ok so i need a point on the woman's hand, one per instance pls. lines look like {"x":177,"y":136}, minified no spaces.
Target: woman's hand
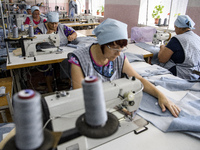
{"x":71,"y":37}
{"x":166,"y":103}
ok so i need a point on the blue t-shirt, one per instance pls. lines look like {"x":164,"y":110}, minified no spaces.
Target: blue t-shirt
{"x":178,"y":56}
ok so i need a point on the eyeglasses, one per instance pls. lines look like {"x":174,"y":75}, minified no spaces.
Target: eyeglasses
{"x":117,"y":49}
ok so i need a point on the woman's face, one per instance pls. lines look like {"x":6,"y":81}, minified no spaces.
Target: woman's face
{"x":29,"y":11}
{"x":52,"y":25}
{"x":111,"y":52}
{"x":36,"y":14}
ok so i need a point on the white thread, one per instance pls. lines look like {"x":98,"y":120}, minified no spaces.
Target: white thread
{"x":15,"y":32}
{"x":28,"y":119}
{"x":22,"y":27}
{"x":30,"y":31}
{"x":95,"y":108}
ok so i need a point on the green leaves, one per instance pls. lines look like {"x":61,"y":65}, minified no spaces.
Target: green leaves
{"x":157,"y":11}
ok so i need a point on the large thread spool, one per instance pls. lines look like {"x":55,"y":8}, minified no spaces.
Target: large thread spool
{"x":28,"y":120}
{"x":22,"y":27}
{"x":31,"y":31}
{"x":95,"y":108}
{"x":15,"y":32}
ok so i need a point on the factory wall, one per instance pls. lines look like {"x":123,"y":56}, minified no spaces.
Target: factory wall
{"x":193,"y":11}
{"x":126,"y":11}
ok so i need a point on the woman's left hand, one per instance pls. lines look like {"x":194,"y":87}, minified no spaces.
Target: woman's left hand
{"x":166,"y":103}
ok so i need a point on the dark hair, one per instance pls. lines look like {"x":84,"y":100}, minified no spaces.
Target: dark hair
{"x":121,"y":43}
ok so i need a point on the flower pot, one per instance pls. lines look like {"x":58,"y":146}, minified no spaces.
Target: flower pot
{"x":102,"y":13}
{"x":156,"y":20}
{"x":97,"y":13}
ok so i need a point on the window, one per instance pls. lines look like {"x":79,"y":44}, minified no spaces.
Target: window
{"x":171,"y":9}
{"x":80,"y":6}
{"x":95,"y":5}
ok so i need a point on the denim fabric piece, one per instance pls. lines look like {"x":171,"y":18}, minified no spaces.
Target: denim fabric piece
{"x":151,"y":48}
{"x":152,"y":71}
{"x":177,"y":84}
{"x":185,"y":122}
{"x":150,"y":104}
{"x":134,"y":57}
{"x":5,"y":128}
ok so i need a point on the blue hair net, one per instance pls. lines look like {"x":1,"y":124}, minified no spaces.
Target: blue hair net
{"x":184,"y":21}
{"x":28,"y":7}
{"x":53,"y":17}
{"x":34,"y":8}
{"x":110,"y":30}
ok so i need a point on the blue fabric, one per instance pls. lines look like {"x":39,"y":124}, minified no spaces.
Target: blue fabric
{"x":184,"y":21}
{"x":189,"y":118}
{"x":110,"y":30}
{"x":152,"y":70}
{"x":173,"y":84}
{"x":5,"y":128}
{"x":151,"y":48}
{"x":134,"y":57}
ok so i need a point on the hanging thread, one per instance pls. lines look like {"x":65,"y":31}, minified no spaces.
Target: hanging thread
{"x":28,"y":119}
{"x":15,"y":32}
{"x":31,"y":31}
{"x":95,"y":108}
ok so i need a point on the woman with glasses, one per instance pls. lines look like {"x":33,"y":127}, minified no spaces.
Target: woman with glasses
{"x":106,"y":60}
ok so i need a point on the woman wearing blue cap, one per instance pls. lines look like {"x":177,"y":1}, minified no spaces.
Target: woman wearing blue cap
{"x":28,"y":10}
{"x":106,"y":60}
{"x":35,"y":19}
{"x":181,"y":55}
{"x":66,"y":34}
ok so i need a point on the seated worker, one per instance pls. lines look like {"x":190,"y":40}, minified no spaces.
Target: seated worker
{"x":28,"y":10}
{"x":107,"y":61}
{"x":35,"y":19}
{"x":66,"y":34}
{"x":182,"y":54}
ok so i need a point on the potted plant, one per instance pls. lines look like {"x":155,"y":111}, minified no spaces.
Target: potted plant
{"x":97,"y":12}
{"x":156,"y":12}
{"x":102,"y":10}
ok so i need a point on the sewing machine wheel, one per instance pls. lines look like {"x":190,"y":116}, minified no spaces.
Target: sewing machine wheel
{"x":47,"y":143}
{"x":108,"y":129}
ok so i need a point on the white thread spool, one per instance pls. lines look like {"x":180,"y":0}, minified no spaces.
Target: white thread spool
{"x":31,"y":31}
{"x":15,"y":32}
{"x":22,"y":27}
{"x":95,"y":108}
{"x":28,"y":120}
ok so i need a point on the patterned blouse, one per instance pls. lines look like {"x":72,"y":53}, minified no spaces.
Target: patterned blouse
{"x":106,"y":70}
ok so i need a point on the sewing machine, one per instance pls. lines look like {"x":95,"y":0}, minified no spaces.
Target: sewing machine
{"x":65,"y":107}
{"x":19,"y":19}
{"x":30,"y":43}
{"x":162,"y":37}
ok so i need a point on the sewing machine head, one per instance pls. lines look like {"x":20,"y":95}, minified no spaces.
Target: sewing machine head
{"x":67,"y":107}
{"x":162,"y":37}
{"x":41,"y":44}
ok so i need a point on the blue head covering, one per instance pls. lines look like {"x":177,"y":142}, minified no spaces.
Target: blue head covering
{"x":110,"y":30}
{"x":184,"y":21}
{"x":53,"y":17}
{"x":28,"y":7}
{"x":34,"y":8}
